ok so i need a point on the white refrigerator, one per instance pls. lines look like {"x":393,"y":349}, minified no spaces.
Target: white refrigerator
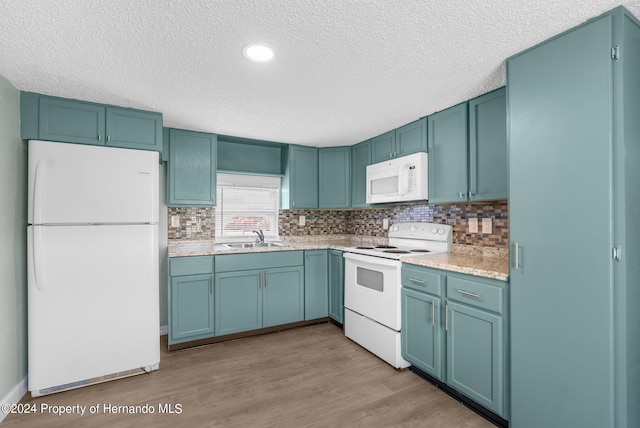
{"x":92,"y":242}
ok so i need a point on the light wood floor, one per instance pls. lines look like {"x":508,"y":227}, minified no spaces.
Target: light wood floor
{"x":307,"y":377}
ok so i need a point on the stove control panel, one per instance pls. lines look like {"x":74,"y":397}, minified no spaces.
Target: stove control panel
{"x":426,"y":231}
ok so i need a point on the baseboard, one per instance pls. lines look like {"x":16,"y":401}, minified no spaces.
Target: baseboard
{"x":14,"y":396}
{"x":164,"y":330}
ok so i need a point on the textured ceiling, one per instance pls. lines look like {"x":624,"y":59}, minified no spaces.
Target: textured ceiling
{"x":344,"y":70}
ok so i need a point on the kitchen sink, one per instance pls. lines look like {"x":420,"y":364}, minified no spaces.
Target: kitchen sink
{"x":235,"y":245}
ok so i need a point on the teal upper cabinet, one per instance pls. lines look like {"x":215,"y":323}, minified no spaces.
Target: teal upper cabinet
{"x":316,"y":285}
{"x":488,"y":147}
{"x":468,"y":151}
{"x":191,"y":179}
{"x":334,"y":179}
{"x":383,"y":147}
{"x":243,"y":155}
{"x":71,"y":121}
{"x":300,"y":181}
{"x":410,"y":138}
{"x":134,"y":129}
{"x":360,"y":158}
{"x":448,"y":155}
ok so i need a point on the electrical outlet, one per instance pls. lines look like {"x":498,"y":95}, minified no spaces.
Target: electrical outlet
{"x":487,"y":225}
{"x":473,"y":225}
{"x":175,"y":221}
{"x":302,"y":220}
{"x":385,"y":223}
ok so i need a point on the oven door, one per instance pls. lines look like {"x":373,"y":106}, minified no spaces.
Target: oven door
{"x":372,"y":288}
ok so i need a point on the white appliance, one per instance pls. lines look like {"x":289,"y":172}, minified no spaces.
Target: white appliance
{"x":93,"y":304}
{"x":372,"y":285}
{"x":398,"y":180}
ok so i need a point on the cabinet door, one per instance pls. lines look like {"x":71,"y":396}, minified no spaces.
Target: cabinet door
{"x":448,"y":155}
{"x":304,"y":177}
{"x":336,"y":285}
{"x":488,"y":147}
{"x":421,"y":332}
{"x":475,"y":355}
{"x":316,"y":284}
{"x":192,"y":168}
{"x":191,"y":316}
{"x":360,"y":158}
{"x":134,"y":129}
{"x":238,"y":301}
{"x":412,"y":138}
{"x":70,"y":121}
{"x":560,"y":100}
{"x":334,"y":165}
{"x":283,"y":296}
{"x":383,"y":147}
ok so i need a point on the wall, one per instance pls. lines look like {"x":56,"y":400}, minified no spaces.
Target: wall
{"x":13,"y":232}
{"x":198,"y":223}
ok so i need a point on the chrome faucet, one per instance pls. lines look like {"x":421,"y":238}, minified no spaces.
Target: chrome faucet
{"x":260,"y":234}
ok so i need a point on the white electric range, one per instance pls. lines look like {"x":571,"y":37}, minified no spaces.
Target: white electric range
{"x":372,"y":286}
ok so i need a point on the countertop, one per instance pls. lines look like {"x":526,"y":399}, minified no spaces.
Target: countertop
{"x":480,"y":261}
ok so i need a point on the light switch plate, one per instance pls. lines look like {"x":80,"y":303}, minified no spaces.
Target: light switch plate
{"x":302,"y":220}
{"x":473,"y":225}
{"x":175,"y":221}
{"x":487,"y":225}
{"x":385,"y":223}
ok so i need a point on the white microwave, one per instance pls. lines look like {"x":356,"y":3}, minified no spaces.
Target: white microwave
{"x":398,"y":180}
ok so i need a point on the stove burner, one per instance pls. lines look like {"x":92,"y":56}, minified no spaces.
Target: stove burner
{"x":385,"y":246}
{"x":397,"y":251}
{"x":420,"y":251}
{"x":364,"y":248}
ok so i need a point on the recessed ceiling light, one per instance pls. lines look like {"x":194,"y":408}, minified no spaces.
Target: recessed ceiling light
{"x":257,"y":52}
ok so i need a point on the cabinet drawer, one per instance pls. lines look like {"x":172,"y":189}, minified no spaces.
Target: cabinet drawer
{"x":266,"y":260}
{"x":194,"y":265}
{"x":475,"y":293}
{"x":421,"y":279}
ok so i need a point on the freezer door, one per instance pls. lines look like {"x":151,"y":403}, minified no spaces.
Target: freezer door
{"x":76,"y":184}
{"x":92,"y":302}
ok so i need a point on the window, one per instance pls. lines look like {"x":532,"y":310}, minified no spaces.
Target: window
{"x":246,"y":203}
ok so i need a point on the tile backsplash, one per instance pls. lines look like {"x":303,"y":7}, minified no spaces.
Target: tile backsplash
{"x":198,"y":223}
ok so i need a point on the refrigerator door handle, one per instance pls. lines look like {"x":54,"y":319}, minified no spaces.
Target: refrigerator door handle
{"x":38,"y":269}
{"x":38,"y":192}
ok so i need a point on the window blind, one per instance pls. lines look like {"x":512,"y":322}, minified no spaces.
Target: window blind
{"x":246,"y":203}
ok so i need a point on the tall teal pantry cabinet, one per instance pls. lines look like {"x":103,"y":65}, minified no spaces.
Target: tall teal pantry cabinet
{"x":574,"y":202}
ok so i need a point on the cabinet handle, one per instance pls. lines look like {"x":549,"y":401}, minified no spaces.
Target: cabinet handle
{"x":259,"y":279}
{"x":446,"y":318}
{"x":466,"y":293}
{"x":108,"y":137}
{"x":99,"y":137}
{"x":264,"y":275}
{"x":433,"y":314}
{"x":419,"y":281}
{"x":461,"y":195}
{"x":517,"y":256}
{"x":211,"y":287}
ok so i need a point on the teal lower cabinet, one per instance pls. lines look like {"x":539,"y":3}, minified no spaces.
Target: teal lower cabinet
{"x":421,"y":334}
{"x":283,"y":296}
{"x":191,"y":299}
{"x":336,"y":286}
{"x":271,"y":295}
{"x":316,"y":284}
{"x":238,"y":301}
{"x":454,"y":329}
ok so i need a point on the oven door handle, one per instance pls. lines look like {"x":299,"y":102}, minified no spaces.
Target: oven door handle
{"x":380,"y":261}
